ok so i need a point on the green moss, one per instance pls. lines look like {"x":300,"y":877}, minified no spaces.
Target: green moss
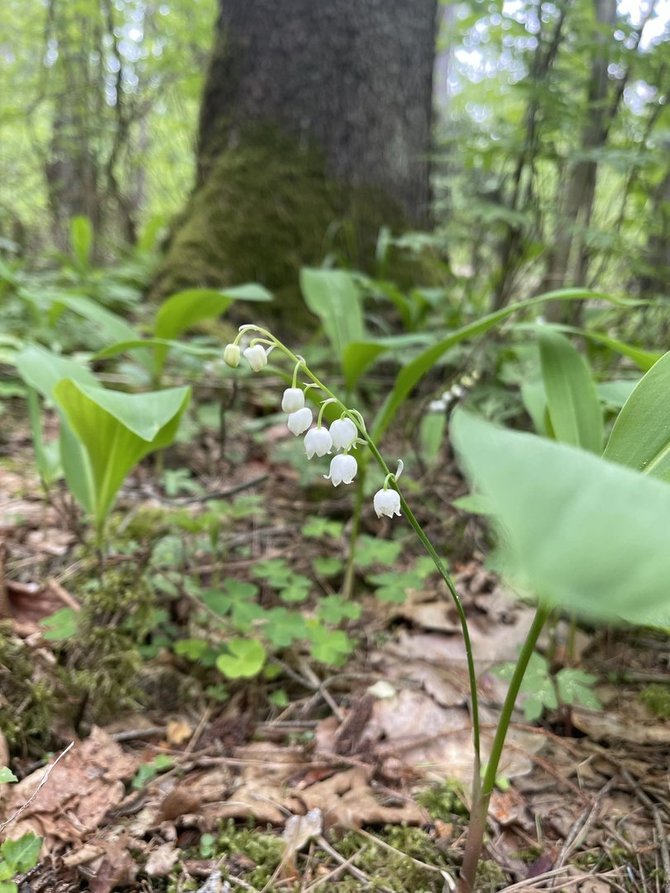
{"x":444,"y":802}
{"x":266,"y":209}
{"x":103,"y":661}
{"x":28,"y":694}
{"x":657,"y":698}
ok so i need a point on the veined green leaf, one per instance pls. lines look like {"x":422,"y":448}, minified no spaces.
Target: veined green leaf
{"x":333,"y":296}
{"x":640,"y":437}
{"x":572,"y":400}
{"x":143,"y":343}
{"x":184,"y":309}
{"x":109,"y":325}
{"x":359,"y":355}
{"x":116,"y":430}
{"x":643,"y":359}
{"x":411,"y":374}
{"x":41,"y":369}
{"x":576,"y":530}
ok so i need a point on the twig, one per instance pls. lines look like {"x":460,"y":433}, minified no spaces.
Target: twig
{"x":219,"y":494}
{"x":658,"y":824}
{"x":43,"y":781}
{"x":581,"y":826}
{"x":61,"y":592}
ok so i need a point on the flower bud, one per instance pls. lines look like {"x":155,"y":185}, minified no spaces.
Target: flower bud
{"x":318,"y":442}
{"x":231,"y":355}
{"x":293,"y":400}
{"x":387,"y":502}
{"x":344,"y":434}
{"x":299,"y":422}
{"x":343,"y":469}
{"x":256,"y":356}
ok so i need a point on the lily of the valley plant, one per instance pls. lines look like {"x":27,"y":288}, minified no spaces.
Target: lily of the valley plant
{"x":346,"y":435}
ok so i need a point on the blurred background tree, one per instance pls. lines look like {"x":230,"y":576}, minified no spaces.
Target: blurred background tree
{"x":550,"y":159}
{"x":315,"y":131}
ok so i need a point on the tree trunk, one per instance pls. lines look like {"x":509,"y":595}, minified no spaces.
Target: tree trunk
{"x":314,"y":131}
{"x":580,"y":189}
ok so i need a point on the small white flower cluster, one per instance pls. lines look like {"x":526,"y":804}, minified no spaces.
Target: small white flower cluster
{"x":455,"y":393}
{"x":319,"y":441}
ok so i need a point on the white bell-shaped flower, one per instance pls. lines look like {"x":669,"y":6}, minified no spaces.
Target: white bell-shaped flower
{"x":387,"y":502}
{"x":293,"y":400}
{"x":256,"y":356}
{"x":318,"y":442}
{"x":344,"y":434}
{"x":299,"y":421}
{"x":343,"y":469}
{"x":231,"y":355}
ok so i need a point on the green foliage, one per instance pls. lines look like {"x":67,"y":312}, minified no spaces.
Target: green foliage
{"x":640,"y":438}
{"x":243,"y":658}
{"x":6,"y":775}
{"x":114,"y":431}
{"x":333,"y":296}
{"x":148,"y":771}
{"x":578,"y":531}
{"x":17,"y":857}
{"x":541,"y":690}
{"x":572,"y":400}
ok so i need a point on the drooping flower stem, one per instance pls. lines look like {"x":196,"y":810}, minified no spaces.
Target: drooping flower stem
{"x":480,"y":805}
{"x":356,"y":418}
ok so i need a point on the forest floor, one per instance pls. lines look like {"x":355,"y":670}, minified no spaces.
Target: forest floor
{"x":144,"y":769}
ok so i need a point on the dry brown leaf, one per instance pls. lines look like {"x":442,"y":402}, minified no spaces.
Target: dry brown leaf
{"x":178,"y":732}
{"x":116,"y":868}
{"x":79,"y":791}
{"x":635,"y":727}
{"x":162,"y":860}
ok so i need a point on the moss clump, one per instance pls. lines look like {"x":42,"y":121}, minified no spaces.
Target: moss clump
{"x":444,"y":802}
{"x":28,"y":694}
{"x":103,"y":660}
{"x":657,"y":698}
{"x":265,"y":209}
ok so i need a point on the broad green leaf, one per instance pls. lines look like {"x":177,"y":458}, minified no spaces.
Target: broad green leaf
{"x":184,"y":309}
{"x":579,"y":532}
{"x":23,"y":853}
{"x":109,"y":325}
{"x":615,"y":393}
{"x":413,"y":372}
{"x":6,"y":775}
{"x":42,"y":370}
{"x":117,"y":430}
{"x":245,"y":658}
{"x":81,"y":241}
{"x":333,"y":296}
{"x":643,"y":359}
{"x":640,"y":437}
{"x":76,"y":466}
{"x":576,"y":687}
{"x":357,"y":356}
{"x":144,"y":343}
{"x":46,"y":454}
{"x":572,"y":400}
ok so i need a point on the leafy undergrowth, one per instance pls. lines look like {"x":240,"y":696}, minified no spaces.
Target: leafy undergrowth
{"x":218,"y":687}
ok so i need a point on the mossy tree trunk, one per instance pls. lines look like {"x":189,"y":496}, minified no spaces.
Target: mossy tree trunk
{"x":314,"y":131}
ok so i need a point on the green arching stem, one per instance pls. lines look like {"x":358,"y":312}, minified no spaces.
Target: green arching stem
{"x":425,"y":541}
{"x":480,"y":805}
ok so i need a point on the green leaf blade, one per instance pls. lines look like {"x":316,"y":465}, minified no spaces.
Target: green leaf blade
{"x":572,"y":399}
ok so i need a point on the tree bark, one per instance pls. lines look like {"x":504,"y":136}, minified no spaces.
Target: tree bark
{"x":314,"y":110}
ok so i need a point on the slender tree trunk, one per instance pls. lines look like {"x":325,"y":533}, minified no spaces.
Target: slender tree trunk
{"x":314,"y":131}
